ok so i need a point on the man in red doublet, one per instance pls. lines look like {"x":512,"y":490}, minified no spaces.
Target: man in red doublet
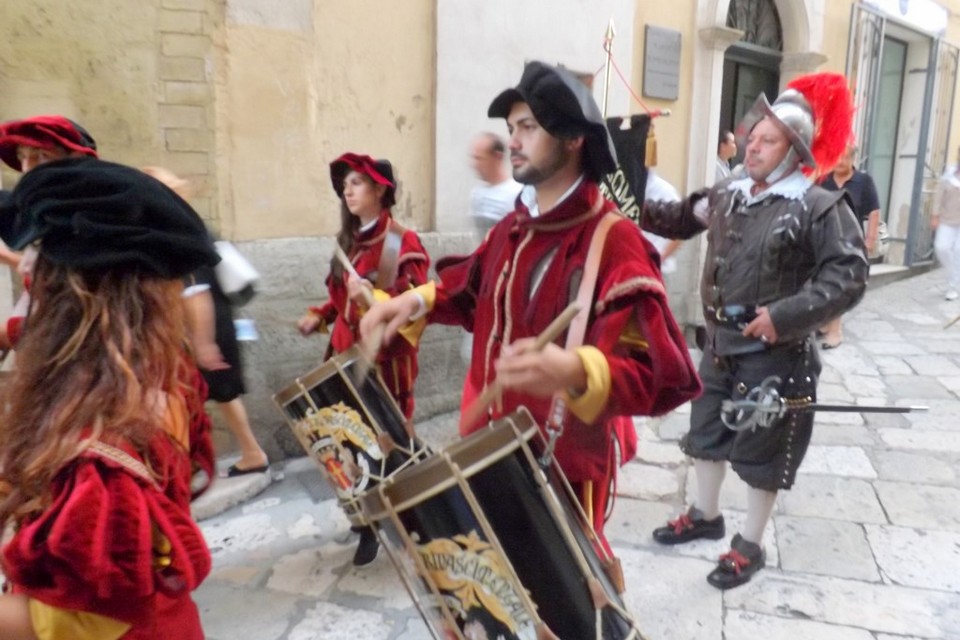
{"x":632,"y":359}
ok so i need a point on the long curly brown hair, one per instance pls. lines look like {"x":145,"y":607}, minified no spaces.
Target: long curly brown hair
{"x":99,"y":351}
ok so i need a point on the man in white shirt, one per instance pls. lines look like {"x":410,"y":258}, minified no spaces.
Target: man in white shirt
{"x":491,"y":201}
{"x":726,"y":149}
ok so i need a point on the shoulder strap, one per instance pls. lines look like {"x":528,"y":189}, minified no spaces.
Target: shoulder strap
{"x":389,"y":256}
{"x":578,"y":328}
{"x":588,"y":281}
{"x":127,"y":461}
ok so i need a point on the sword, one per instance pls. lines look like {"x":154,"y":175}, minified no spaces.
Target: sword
{"x":763,"y":406}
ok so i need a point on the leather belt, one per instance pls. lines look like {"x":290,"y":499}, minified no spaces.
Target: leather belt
{"x":734,"y":316}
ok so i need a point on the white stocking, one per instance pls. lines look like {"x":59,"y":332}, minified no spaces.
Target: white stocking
{"x":709,"y":480}
{"x":760,"y":505}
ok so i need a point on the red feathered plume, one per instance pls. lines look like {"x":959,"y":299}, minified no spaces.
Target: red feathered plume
{"x":832,"y":104}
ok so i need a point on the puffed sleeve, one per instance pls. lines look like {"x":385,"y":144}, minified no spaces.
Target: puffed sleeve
{"x":412,"y":264}
{"x":109,"y":542}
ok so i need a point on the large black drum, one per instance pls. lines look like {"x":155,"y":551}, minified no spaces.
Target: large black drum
{"x":490,"y":542}
{"x":357,"y":435}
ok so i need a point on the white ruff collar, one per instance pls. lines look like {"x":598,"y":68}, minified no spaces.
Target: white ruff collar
{"x":793,"y":187}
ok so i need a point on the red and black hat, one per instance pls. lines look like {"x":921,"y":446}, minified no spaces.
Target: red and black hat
{"x":43,"y":132}
{"x":380,"y":171}
{"x":93,"y":215}
{"x":562,"y":105}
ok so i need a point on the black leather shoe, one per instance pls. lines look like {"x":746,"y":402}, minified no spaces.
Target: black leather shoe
{"x":368,"y":548}
{"x":738,"y":565}
{"x":690,"y":526}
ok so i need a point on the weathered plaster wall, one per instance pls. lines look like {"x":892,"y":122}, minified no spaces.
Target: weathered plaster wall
{"x":299,"y":83}
{"x":481,"y":48}
{"x":135,"y":74}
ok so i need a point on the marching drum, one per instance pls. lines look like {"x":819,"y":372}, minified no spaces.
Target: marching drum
{"x":490,"y":544}
{"x":356,"y":435}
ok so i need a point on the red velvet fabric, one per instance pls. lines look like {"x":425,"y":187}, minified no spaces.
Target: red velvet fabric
{"x":92,"y":549}
{"x":202,"y":455}
{"x":524,"y":274}
{"x":397,"y":363}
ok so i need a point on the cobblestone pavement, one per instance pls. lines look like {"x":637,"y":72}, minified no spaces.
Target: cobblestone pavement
{"x":866,"y":546}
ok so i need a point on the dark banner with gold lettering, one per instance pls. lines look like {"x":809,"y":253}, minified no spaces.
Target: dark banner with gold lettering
{"x":627,"y":184}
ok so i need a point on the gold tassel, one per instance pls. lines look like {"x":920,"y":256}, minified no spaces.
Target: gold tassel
{"x":650,"y":156}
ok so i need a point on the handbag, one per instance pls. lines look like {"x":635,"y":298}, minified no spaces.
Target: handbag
{"x":235,"y":275}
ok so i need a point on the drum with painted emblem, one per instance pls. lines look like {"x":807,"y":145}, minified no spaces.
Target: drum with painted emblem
{"x":355,"y":433}
{"x":491,"y":543}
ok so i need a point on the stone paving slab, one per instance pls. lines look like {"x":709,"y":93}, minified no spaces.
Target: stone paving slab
{"x":917,"y":386}
{"x":661,"y":453}
{"x":912,"y":558}
{"x":831,"y":497}
{"x":229,"y":612}
{"x":902,"y":466}
{"x":333,"y":622}
{"x":746,"y":625}
{"x":843,"y":435}
{"x":922,"y":506}
{"x":892,"y":365}
{"x":647,"y":482}
{"x":851,"y":603}
{"x":921,"y":440}
{"x":859,"y":385}
{"x":846,"y":462}
{"x":654,"y":585}
{"x":825,"y":547}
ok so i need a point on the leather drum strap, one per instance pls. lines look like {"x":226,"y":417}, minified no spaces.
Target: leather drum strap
{"x":588,"y":283}
{"x":578,"y":327}
{"x":389,"y":256}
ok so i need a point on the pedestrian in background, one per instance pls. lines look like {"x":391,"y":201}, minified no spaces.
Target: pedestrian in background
{"x":726,"y":150}
{"x":866,"y":206}
{"x":946,"y":222}
{"x":213,"y":337}
{"x":496,"y":197}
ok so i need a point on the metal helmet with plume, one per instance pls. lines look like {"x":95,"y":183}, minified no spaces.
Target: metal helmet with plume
{"x":815,"y":112}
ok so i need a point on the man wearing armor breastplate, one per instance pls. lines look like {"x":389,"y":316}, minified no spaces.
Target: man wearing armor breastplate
{"x":783,"y":256}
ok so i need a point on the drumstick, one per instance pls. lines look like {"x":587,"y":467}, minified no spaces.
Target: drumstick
{"x":952,"y":322}
{"x":475,"y":411}
{"x":369,"y":345}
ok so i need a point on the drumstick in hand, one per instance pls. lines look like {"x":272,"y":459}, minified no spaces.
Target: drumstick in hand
{"x":370,"y":345}
{"x":475,"y":411}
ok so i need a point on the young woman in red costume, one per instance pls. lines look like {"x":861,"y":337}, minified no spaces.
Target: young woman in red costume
{"x":367,"y":190}
{"x":95,"y":469}
{"x":390,"y":260}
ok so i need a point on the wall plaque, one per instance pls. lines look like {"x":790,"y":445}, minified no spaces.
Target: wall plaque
{"x":661,"y":63}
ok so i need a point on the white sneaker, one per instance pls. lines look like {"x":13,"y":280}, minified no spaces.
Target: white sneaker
{"x":952,"y":295}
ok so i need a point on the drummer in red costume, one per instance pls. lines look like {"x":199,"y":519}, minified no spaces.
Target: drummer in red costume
{"x":95,"y":468}
{"x":390,"y":260}
{"x":633,"y":360}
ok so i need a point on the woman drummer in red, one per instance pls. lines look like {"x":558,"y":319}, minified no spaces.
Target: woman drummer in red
{"x":388,"y":258}
{"x":385,"y":255}
{"x":94,"y":468}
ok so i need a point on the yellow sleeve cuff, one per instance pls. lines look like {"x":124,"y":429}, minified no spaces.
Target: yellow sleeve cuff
{"x":427,"y":293}
{"x":588,"y":406}
{"x":53,"y":623}
{"x":414,"y":329}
